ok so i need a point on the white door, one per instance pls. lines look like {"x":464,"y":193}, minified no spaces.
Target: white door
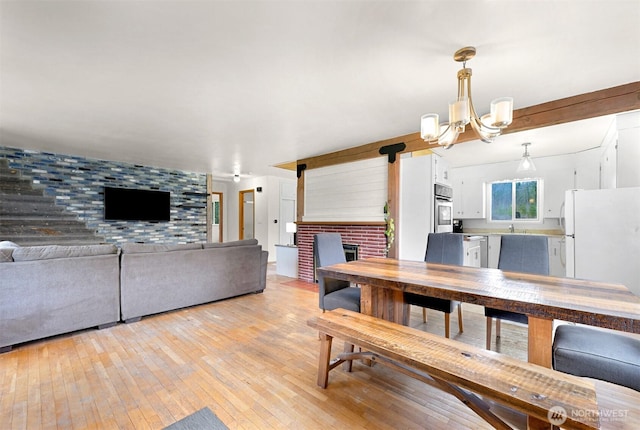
{"x":287,"y":214}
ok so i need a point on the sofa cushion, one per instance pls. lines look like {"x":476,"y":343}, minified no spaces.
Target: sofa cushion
{"x":144,"y":248}
{"x":244,"y":242}
{"x":47,"y":252}
{"x":6,"y":251}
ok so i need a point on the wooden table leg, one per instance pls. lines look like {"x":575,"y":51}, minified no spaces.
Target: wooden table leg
{"x":324,"y":359}
{"x":540,"y":352}
{"x":384,"y":303}
{"x":540,"y":341}
{"x":367,"y":296}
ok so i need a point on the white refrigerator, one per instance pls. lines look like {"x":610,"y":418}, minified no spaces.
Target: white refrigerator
{"x":603,"y":235}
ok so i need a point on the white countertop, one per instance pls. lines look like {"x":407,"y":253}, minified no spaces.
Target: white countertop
{"x":474,"y":237}
{"x":548,"y":233}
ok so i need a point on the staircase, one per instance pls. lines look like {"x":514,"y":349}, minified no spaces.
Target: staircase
{"x":28,"y":217}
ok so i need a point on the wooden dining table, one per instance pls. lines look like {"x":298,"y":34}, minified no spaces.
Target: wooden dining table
{"x":543,"y":299}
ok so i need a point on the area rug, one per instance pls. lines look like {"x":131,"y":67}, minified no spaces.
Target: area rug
{"x":204,"y":419}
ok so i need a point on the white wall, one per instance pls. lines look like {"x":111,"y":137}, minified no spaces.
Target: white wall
{"x":559,"y":173}
{"x":416,"y":206}
{"x":354,"y":191}
{"x":266,"y":209}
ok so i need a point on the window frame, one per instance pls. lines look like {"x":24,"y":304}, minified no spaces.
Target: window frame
{"x":539,"y":198}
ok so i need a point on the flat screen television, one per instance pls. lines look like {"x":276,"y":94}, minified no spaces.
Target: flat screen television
{"x":136,"y":205}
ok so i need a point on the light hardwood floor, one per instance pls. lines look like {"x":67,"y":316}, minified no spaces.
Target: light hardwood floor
{"x":252,"y":360}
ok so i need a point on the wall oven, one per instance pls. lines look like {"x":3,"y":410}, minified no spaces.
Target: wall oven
{"x":443,"y":209}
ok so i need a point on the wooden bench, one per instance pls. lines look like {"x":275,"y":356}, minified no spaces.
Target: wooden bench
{"x":456,"y":367}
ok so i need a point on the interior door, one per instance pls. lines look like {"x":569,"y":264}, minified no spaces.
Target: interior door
{"x":247,"y":215}
{"x":216,"y":219}
{"x":287,"y":214}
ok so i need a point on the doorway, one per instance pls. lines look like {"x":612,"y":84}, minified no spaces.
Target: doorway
{"x":216,"y":217}
{"x":287,"y":215}
{"x":247,"y":215}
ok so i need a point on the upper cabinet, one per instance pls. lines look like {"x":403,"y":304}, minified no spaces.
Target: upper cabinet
{"x":468,"y":197}
{"x":556,"y":182}
{"x":620,"y":153}
{"x":440,"y":170}
{"x":628,"y":150}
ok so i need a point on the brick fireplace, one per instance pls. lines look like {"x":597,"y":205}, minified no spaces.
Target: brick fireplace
{"x":369,"y":237}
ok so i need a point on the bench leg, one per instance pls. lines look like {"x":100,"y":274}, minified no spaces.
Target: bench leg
{"x":348,"y":348}
{"x":325,"y":357}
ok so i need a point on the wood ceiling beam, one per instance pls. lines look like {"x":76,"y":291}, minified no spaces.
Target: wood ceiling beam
{"x":609,"y":101}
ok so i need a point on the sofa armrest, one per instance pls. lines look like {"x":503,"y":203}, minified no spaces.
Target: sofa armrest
{"x":264,"y":259}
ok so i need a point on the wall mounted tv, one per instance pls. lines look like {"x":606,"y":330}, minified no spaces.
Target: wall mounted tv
{"x":136,"y":205}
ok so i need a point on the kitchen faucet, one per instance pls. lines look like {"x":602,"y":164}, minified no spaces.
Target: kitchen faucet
{"x":511,"y":229}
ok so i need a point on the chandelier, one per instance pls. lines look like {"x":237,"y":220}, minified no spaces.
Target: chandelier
{"x":462,"y":111}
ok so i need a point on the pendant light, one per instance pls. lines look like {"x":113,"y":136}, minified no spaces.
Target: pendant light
{"x":526,"y":164}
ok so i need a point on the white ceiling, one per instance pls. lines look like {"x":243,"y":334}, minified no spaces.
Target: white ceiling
{"x":210,"y":86}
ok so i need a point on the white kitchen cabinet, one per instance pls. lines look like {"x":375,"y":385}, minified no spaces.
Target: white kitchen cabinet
{"x":619,"y":160}
{"x":628,"y":148}
{"x":440,"y":170}
{"x":469,"y":198}
{"x":287,"y":260}
{"x":608,"y":165}
{"x":556,"y":182}
{"x":472,"y":252}
{"x":557,"y":256}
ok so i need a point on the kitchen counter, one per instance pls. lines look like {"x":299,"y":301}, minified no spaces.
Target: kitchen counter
{"x":500,"y":232}
{"x":473,"y":237}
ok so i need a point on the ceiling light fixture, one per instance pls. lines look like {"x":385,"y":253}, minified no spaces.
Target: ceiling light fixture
{"x":462,"y":112}
{"x":526,"y":164}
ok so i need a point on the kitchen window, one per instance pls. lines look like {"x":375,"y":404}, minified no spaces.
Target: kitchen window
{"x":517,"y":200}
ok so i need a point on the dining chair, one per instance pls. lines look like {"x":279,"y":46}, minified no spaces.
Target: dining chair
{"x":597,"y":353}
{"x":333,"y":293}
{"x":442,"y":248}
{"x":518,"y":253}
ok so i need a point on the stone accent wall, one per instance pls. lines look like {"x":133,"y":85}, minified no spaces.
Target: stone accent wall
{"x":371,"y":239}
{"x":77,"y":184}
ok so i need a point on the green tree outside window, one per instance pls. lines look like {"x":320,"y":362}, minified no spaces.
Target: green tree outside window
{"x":515,"y":200}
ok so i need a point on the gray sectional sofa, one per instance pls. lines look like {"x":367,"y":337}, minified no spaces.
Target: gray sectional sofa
{"x":159,"y":278}
{"x":51,"y":290}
